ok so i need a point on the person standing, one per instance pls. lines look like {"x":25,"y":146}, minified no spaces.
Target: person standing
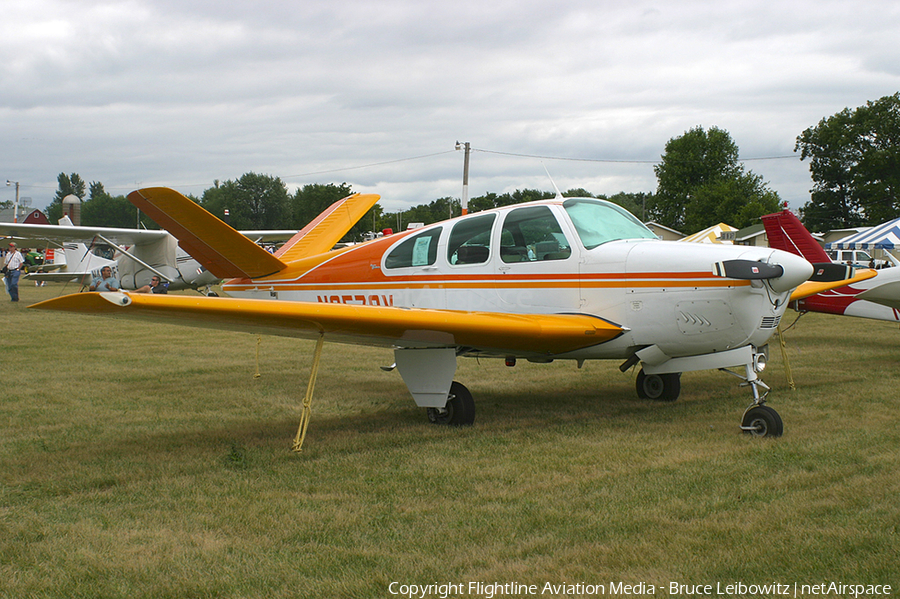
{"x":12,"y":268}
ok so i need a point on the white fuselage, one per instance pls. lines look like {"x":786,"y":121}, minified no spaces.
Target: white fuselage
{"x":661,"y":293}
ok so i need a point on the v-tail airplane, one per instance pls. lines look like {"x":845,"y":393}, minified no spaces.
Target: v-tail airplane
{"x":564,"y":279}
{"x":877,"y":298}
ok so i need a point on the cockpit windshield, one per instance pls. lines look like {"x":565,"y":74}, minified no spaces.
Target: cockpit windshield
{"x":598,"y":222}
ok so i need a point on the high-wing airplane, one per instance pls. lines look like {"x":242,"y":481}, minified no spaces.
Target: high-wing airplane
{"x":877,"y":298}
{"x":569,"y":278}
{"x":135,"y":255}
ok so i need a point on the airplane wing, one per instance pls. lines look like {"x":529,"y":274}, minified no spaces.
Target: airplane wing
{"x":222,"y":250}
{"x":492,"y":333}
{"x":58,"y":234}
{"x":813,"y":287}
{"x":61,"y":277}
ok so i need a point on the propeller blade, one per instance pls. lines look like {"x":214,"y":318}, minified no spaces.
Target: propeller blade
{"x":827,"y":272}
{"x":747,"y":269}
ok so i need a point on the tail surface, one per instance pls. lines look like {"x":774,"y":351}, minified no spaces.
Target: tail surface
{"x":786,"y":232}
{"x":328,"y":228}
{"x":227,"y":253}
{"x":222,"y":250}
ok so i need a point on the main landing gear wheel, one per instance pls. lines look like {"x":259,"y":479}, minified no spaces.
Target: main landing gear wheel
{"x":460,"y":408}
{"x":762,"y":421}
{"x":658,"y":387}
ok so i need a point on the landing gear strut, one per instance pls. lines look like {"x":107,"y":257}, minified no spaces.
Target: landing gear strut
{"x":460,"y":408}
{"x":759,"y":419}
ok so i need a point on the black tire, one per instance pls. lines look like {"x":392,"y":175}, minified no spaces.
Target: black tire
{"x":460,"y":408}
{"x":762,"y":421}
{"x":658,"y":387}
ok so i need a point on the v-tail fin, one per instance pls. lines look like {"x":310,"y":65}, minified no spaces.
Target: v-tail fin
{"x":328,"y":228}
{"x":214,"y":244}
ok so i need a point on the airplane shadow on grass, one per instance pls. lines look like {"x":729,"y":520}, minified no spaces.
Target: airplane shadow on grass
{"x":536,"y":407}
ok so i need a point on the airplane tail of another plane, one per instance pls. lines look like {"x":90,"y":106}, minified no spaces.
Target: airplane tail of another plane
{"x":786,"y":232}
{"x":227,"y":253}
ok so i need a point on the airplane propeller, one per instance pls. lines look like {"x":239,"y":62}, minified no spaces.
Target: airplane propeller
{"x":747,"y":269}
{"x":828,"y":271}
{"x":791,"y":272}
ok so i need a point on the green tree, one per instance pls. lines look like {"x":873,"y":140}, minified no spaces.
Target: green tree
{"x":254,"y":202}
{"x":310,"y":200}
{"x":702,"y":183}
{"x":104,"y":210}
{"x":855,"y":166}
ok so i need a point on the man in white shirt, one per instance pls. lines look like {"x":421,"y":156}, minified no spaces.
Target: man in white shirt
{"x":12,"y":268}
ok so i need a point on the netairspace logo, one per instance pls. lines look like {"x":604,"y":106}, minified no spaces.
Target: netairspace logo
{"x":490,"y":590}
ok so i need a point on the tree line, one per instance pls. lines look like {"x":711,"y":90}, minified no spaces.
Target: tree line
{"x":854,"y":165}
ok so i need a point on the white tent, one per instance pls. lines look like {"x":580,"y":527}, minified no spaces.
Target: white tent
{"x":883,"y":237}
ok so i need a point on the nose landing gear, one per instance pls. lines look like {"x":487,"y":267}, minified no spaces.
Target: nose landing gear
{"x":759,"y":419}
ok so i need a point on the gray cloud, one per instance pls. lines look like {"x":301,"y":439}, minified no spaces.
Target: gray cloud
{"x":152,"y":92}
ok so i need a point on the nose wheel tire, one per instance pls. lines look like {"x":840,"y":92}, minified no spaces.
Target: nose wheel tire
{"x":460,"y":408}
{"x":658,"y":387}
{"x":762,"y":421}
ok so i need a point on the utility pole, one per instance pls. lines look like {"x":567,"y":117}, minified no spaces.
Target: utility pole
{"x":16,"y":207}
{"x":465,"y":192}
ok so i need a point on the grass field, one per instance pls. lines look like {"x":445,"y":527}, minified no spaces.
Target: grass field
{"x":140,"y":461}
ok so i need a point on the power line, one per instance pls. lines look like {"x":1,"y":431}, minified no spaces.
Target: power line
{"x":610,"y":160}
{"x":352,"y":168}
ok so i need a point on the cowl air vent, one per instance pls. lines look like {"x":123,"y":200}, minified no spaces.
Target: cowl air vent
{"x":770,"y":322}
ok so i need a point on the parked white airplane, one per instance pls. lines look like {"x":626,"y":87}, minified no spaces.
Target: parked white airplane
{"x":568,"y":278}
{"x":134,"y":254}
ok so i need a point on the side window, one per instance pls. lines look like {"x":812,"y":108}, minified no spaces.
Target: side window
{"x":418,"y":250}
{"x":470,"y":240}
{"x":531,"y":234}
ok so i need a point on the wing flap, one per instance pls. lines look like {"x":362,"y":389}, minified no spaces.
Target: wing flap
{"x":514,"y":334}
{"x":223,"y":251}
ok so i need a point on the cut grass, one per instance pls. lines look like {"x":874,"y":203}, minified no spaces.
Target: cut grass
{"x":141,"y":461}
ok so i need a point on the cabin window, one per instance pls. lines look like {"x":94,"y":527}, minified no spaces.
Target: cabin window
{"x":531,"y":234}
{"x":598,"y":222}
{"x":470,"y":240}
{"x":418,"y":250}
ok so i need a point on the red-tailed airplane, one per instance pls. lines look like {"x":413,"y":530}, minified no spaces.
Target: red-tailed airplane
{"x":877,"y":297}
{"x":568,"y":278}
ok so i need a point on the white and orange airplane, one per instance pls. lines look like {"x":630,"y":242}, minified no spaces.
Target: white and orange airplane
{"x":568,"y":278}
{"x":877,"y":298}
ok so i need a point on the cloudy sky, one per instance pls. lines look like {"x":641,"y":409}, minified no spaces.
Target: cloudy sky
{"x":376,"y":93}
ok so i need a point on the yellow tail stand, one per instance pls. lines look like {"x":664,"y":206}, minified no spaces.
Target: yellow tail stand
{"x":258,"y":343}
{"x":307,"y":401}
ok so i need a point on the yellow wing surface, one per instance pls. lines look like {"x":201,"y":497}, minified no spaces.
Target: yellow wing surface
{"x":509,"y":334}
{"x":812,"y":287}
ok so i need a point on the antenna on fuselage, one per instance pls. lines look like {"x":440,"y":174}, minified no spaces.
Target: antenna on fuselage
{"x":559,"y":194}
